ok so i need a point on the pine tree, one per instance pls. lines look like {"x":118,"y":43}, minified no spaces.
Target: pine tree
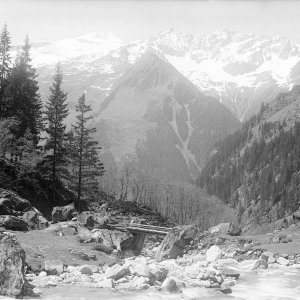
{"x":85,"y":159}
{"x":55,"y":114}
{"x":5,"y":60}
{"x":23,"y":97}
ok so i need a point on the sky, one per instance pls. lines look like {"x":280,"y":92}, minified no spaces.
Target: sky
{"x":139,"y":19}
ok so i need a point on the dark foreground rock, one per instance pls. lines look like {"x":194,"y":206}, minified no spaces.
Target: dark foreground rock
{"x":175,"y":241}
{"x":13,"y":223}
{"x":12,"y":263}
{"x":12,"y":204}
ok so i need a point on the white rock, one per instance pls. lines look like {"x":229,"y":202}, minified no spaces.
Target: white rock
{"x":213,"y":253}
{"x":106,"y":283}
{"x":282,"y":261}
{"x":43,"y":274}
{"x":54,"y":267}
{"x":116,"y":272}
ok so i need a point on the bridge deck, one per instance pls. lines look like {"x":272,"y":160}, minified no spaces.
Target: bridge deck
{"x":148,"y":229}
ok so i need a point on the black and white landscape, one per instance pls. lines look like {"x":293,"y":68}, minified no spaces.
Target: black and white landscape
{"x":147,"y":152}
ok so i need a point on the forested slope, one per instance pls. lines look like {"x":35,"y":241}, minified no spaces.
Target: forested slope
{"x":257,"y":169}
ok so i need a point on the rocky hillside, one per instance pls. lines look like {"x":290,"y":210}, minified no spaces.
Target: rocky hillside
{"x":256,"y":169}
{"x":240,"y":70}
{"x":156,"y":113}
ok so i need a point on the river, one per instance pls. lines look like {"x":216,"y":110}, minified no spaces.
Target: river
{"x":260,"y":285}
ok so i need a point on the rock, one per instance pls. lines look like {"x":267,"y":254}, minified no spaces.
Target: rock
{"x":283,"y":261}
{"x":54,"y":267}
{"x":259,"y":263}
{"x":225,"y":290}
{"x":66,"y":230}
{"x":174,"y":242}
{"x":13,"y":223}
{"x":106,"y":283}
{"x":170,"y":285}
{"x":116,"y":272}
{"x":227,"y":228}
{"x":141,"y":269}
{"x":93,"y":220}
{"x":12,"y":204}
{"x":63,"y":213}
{"x":35,"y":220}
{"x":103,"y":248}
{"x":226,"y":262}
{"x":138,"y":283}
{"x":84,"y":235}
{"x":82,"y":255}
{"x":43,"y":274}
{"x":296,"y":215}
{"x":12,"y":266}
{"x":160,"y":273}
{"x":110,"y":238}
{"x":213,"y":253}
{"x":227,"y":272}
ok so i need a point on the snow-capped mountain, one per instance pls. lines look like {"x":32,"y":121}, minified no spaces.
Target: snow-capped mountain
{"x":240,"y":70}
{"x":155,"y":113}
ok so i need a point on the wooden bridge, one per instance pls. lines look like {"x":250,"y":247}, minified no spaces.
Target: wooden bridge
{"x":139,"y":232}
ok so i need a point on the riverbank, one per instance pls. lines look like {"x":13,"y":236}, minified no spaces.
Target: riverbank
{"x":214,"y":265}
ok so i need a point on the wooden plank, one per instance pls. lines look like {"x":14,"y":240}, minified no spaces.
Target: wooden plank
{"x":149,"y":231}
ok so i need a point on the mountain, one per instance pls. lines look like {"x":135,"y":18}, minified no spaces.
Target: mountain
{"x":156,"y":114}
{"x":240,"y":70}
{"x":257,"y":169}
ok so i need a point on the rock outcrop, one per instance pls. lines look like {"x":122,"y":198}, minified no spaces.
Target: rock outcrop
{"x":12,"y":263}
{"x":175,"y":241}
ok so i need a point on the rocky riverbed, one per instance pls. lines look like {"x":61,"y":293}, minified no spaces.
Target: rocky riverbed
{"x":86,"y":257}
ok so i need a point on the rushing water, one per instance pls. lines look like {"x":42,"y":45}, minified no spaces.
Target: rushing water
{"x":262,"y":285}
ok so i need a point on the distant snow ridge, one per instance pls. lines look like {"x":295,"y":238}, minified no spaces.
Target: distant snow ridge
{"x":88,"y":48}
{"x":241,"y":70}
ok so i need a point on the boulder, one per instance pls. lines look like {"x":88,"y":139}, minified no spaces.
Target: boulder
{"x":213,"y":253}
{"x":92,"y":220}
{"x":102,"y":248}
{"x":160,"y":273}
{"x":54,"y":267}
{"x":63,"y":213}
{"x":110,"y":238}
{"x":296,"y":215}
{"x":12,"y":204}
{"x":13,"y":223}
{"x":12,"y":265}
{"x":174,"y":242}
{"x":106,"y":283}
{"x":228,"y":272}
{"x":116,"y":272}
{"x":84,"y":235}
{"x":35,"y":219}
{"x":138,"y":283}
{"x":170,"y":285}
{"x":226,"y":228}
{"x":283,"y":261}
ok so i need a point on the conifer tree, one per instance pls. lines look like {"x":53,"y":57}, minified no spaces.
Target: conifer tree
{"x":23,"y":97}
{"x":55,"y":114}
{"x":85,"y":159}
{"x":5,"y":60}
